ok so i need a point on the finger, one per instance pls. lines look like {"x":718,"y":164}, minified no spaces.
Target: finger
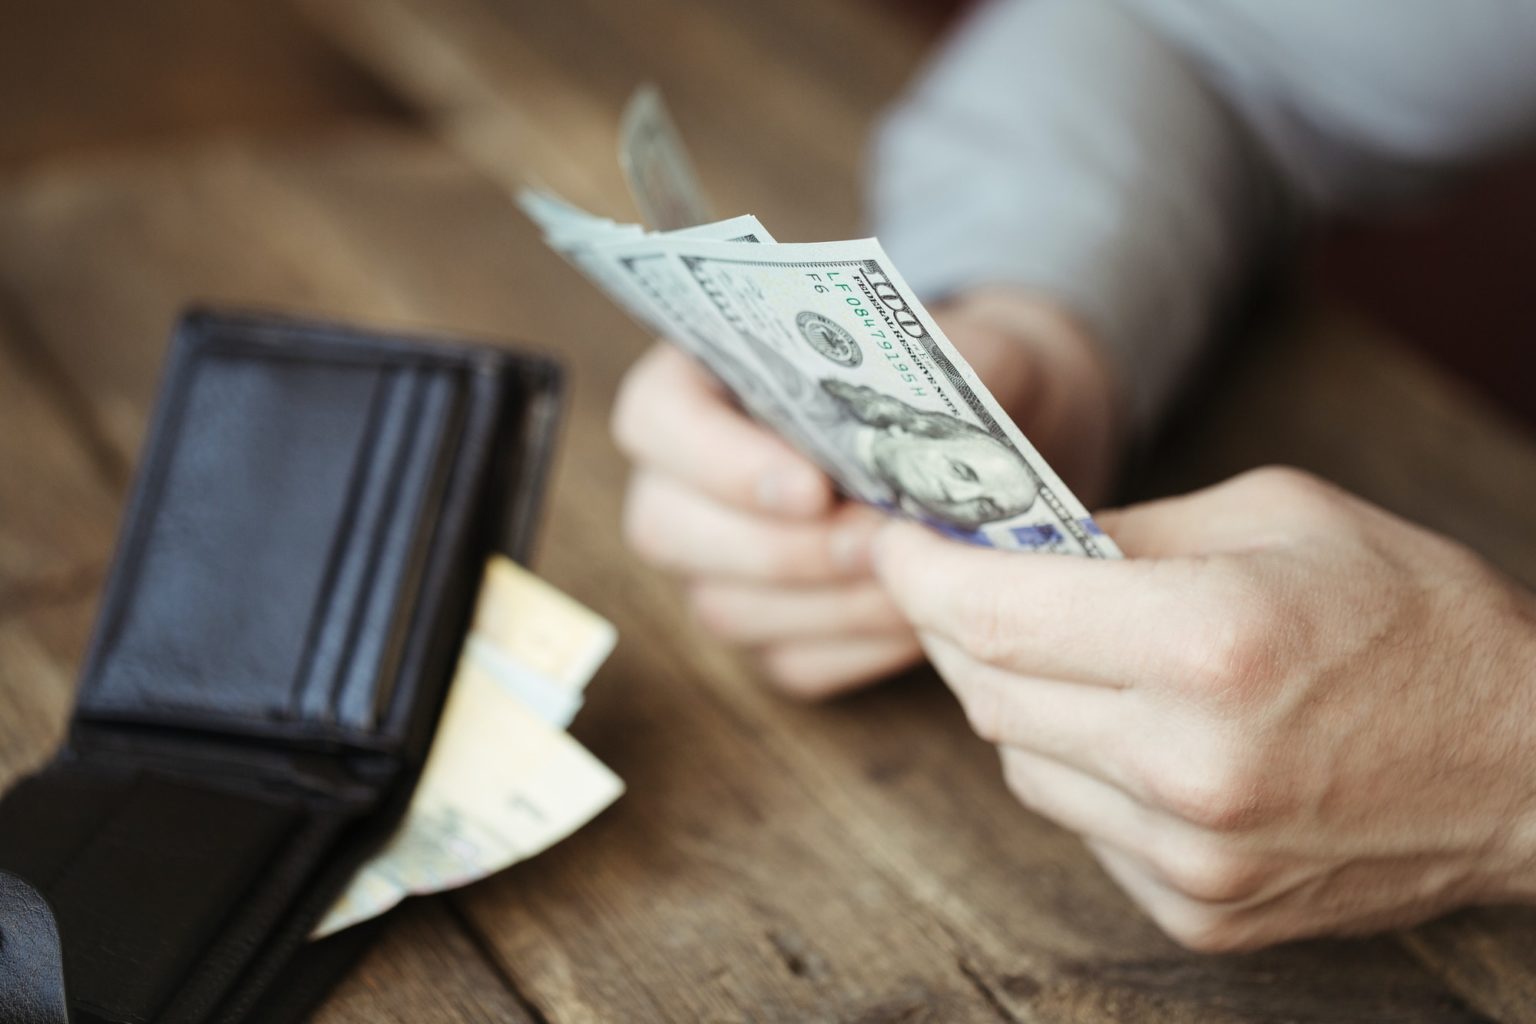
{"x":1199,"y":925}
{"x":672,"y":416}
{"x":1087,"y":727}
{"x":1112,"y":622}
{"x":1079,"y":802}
{"x":1189,"y":922}
{"x":753,"y":614}
{"x":816,"y":670}
{"x":678,"y":528}
{"x":1182,"y":858}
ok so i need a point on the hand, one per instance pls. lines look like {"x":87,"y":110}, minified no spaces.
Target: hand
{"x":773,"y":559}
{"x":1289,"y":714}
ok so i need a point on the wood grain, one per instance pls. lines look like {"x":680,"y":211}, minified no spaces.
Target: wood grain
{"x":97,"y":76}
{"x":424,"y":970}
{"x":53,"y":497}
{"x":854,"y":862}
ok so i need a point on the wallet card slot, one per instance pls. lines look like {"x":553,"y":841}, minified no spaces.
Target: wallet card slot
{"x":298,"y":556}
{"x":351,"y":588}
{"x":396,"y":552}
{"x":346,"y":579}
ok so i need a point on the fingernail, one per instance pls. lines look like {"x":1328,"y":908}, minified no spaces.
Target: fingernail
{"x":849,"y":549}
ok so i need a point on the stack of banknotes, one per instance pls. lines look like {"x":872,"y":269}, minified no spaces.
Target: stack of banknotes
{"x":503,"y":781}
{"x":824,"y":343}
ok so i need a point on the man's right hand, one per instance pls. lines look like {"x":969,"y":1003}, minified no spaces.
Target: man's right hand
{"x":774,"y":560}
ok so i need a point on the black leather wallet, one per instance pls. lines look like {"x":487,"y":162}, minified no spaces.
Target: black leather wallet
{"x":293,"y":579}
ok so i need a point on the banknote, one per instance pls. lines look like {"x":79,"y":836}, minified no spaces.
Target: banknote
{"x":502,"y":781}
{"x":574,"y":234}
{"x":500,"y":785}
{"x":864,"y":381}
{"x":825,"y":343}
{"x":766,"y":385}
{"x":657,"y":166}
{"x":539,"y":644}
{"x":624,"y":262}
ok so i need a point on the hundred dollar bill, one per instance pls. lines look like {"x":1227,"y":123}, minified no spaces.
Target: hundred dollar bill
{"x":766,"y":385}
{"x":826,"y":344}
{"x":656,"y":165}
{"x":626,"y":264}
{"x":862,"y":379}
{"x":577,"y":236}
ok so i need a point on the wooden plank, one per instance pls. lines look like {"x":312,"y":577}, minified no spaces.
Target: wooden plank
{"x":109,"y":350}
{"x":53,"y":497}
{"x":1418,"y":445}
{"x":423,"y":971}
{"x":98,"y":75}
{"x":382,"y":225}
{"x":861,"y":860}
{"x":531,"y":92}
{"x":39,"y":648}
{"x":1328,"y":393}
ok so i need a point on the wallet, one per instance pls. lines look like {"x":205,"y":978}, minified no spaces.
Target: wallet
{"x":293,"y":579}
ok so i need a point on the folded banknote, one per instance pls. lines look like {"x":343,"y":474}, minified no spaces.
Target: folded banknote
{"x":503,"y":780}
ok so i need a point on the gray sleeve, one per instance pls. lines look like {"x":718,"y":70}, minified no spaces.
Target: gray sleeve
{"x":1132,"y":159}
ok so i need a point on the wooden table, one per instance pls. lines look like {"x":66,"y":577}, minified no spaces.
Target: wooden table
{"x":859,"y":861}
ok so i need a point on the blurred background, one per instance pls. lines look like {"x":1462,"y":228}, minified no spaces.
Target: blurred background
{"x":528,"y":88}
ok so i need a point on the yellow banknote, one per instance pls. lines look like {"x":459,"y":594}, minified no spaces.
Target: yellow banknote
{"x":502,"y":781}
{"x":539,"y":643}
{"x":499,"y":786}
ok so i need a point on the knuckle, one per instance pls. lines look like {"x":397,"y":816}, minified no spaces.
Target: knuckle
{"x":984,"y":710}
{"x":634,"y":394}
{"x":1019,"y":780}
{"x":1234,"y":656}
{"x":1201,"y":930}
{"x":646,"y":526}
{"x":1306,"y":498}
{"x":1281,"y":480}
{"x":797,"y":677}
{"x":1212,"y":871}
{"x":715,"y":611}
{"x":987,"y":627}
{"x":1219,"y":793}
